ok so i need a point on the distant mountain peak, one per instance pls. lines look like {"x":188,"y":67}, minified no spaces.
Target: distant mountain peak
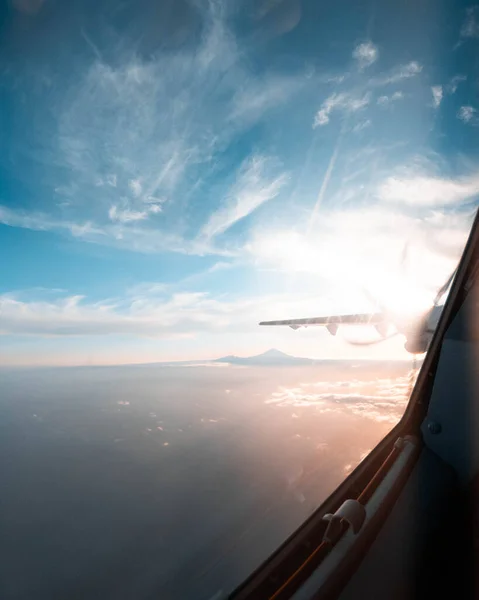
{"x":226,"y":358}
{"x":272,"y":352}
{"x":270,"y":357}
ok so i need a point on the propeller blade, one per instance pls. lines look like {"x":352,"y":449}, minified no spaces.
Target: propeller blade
{"x":443,"y":289}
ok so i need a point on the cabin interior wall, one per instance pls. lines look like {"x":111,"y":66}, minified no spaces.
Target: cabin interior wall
{"x":411,"y":555}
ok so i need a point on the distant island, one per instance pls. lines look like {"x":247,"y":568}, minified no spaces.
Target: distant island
{"x":271,"y":357}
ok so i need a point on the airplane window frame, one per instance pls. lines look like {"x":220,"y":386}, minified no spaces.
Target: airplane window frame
{"x":268,"y":578}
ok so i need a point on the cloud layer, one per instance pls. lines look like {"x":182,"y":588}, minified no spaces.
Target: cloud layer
{"x":379,"y":400}
{"x":151,"y":312}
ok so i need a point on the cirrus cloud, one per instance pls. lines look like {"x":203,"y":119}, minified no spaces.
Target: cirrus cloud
{"x":249,"y":192}
{"x":342,"y":102}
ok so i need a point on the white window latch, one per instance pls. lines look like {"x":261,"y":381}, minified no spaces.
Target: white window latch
{"x":351,"y":511}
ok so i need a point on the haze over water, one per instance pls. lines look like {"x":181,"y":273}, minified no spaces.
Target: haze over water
{"x":174,"y":481}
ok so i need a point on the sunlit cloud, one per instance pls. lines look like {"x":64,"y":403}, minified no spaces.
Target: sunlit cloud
{"x":400,"y":259}
{"x":365,"y":54}
{"x":379,"y":400}
{"x":420,"y":190}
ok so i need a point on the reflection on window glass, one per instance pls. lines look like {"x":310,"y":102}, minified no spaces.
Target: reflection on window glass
{"x":172,"y":174}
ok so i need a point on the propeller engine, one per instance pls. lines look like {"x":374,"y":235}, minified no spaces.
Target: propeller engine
{"x":418,"y":330}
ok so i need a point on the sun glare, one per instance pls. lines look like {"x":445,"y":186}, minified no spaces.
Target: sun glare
{"x":403,"y":297}
{"x":370,"y":278}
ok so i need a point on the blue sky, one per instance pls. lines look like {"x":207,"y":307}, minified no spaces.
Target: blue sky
{"x":173,"y":172}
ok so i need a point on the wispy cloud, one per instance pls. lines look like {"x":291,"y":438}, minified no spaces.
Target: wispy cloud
{"x":38,"y":221}
{"x":361,"y":126}
{"x":439,"y":91}
{"x":470,"y":27}
{"x":128,"y":235}
{"x":411,"y":69}
{"x":365,"y":54}
{"x":252,"y":188}
{"x":126,"y":215}
{"x":136,"y":187}
{"x":467,"y":114}
{"x":344,"y":102}
{"x":143,"y":143}
{"x":452,"y":86}
{"x":159,"y":290}
{"x":386,"y":101}
{"x":437,"y":94}
{"x":140,"y":140}
{"x":254,"y":99}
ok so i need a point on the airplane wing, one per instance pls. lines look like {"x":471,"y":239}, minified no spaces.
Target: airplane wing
{"x":332,"y":322}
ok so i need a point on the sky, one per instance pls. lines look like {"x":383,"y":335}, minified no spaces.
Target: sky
{"x":173,"y":172}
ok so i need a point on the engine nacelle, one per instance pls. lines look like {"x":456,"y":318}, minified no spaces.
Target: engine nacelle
{"x":417,"y":344}
{"x":418,"y":338}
